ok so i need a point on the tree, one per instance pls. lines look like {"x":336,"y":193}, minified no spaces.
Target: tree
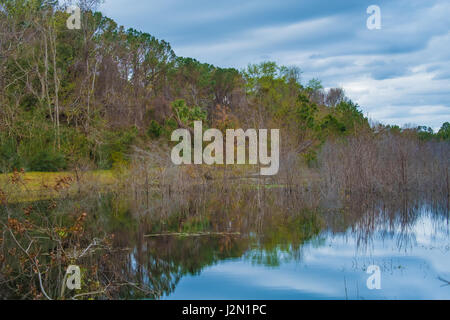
{"x":444,"y":132}
{"x":335,"y":96}
{"x":185,"y":115}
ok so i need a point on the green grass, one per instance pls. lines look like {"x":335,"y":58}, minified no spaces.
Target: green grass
{"x":34,"y":186}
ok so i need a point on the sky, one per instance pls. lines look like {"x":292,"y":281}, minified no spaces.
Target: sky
{"x":399,"y":74}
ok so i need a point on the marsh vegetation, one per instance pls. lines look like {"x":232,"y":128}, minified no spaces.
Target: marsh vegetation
{"x":157,"y":225}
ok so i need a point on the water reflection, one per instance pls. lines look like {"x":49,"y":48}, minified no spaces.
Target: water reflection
{"x":313,"y":254}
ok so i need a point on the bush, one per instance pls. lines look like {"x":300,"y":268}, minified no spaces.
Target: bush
{"x":169,"y":126}
{"x":9,"y":159}
{"x":47,"y":160}
{"x":116,"y":146}
{"x":154,"y":130}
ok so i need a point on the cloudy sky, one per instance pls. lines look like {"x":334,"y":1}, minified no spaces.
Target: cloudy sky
{"x":399,"y":74}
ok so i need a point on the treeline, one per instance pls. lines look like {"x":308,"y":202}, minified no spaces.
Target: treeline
{"x":81,"y":98}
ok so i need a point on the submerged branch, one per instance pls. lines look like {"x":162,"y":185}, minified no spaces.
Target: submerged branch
{"x":194,"y":234}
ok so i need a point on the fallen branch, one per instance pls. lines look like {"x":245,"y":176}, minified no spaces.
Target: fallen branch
{"x":196,"y":234}
{"x":447,"y":283}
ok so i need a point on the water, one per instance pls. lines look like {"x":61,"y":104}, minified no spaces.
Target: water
{"x":412,"y":257}
{"x":285,"y":247}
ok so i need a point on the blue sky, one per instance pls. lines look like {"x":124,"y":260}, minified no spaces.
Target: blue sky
{"x":399,"y":74}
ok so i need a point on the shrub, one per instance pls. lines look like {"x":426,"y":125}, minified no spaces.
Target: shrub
{"x":116,"y":146}
{"x":9,"y":159}
{"x":154,"y":130}
{"x":47,"y":160}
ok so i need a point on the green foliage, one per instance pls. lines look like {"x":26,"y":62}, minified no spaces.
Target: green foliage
{"x":350,"y":115}
{"x":154,"y":130}
{"x":9,"y":159}
{"x":170,"y":125}
{"x":314,"y":84}
{"x":47,"y":160}
{"x":444,"y":132}
{"x":196,"y":224}
{"x":187,"y":115}
{"x":115,"y":147}
{"x":272,"y":88}
{"x":394,"y":129}
{"x":425,"y":133}
{"x":32,"y":149}
{"x":330,"y":125}
{"x":264,"y":78}
{"x":305,"y":112}
{"x":80,"y":97}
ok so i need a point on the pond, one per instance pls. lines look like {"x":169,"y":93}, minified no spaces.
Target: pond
{"x":237,"y":244}
{"x":410,"y":247}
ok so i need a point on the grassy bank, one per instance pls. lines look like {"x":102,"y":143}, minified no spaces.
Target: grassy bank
{"x":33,"y":186}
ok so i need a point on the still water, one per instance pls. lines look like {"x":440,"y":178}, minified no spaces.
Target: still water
{"x":411,"y":250}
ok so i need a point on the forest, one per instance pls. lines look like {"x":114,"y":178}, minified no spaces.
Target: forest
{"x":82,"y":98}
